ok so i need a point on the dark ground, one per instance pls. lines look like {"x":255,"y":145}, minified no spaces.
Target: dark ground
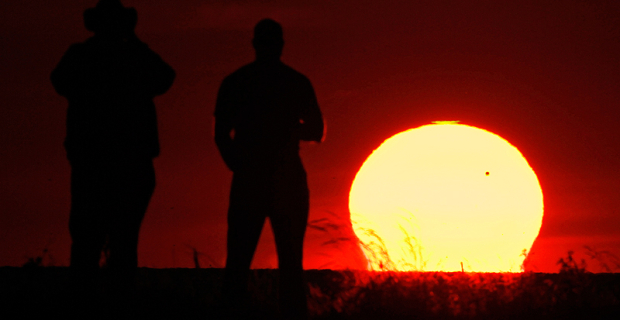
{"x":44,"y":292}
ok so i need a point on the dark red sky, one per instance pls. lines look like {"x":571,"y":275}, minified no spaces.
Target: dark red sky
{"x":544,"y":75}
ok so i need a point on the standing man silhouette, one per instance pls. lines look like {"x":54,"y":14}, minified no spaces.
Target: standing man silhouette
{"x":262,"y":112}
{"x":110,"y":81}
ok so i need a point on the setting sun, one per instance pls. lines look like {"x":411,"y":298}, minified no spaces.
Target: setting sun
{"x":446,"y":197}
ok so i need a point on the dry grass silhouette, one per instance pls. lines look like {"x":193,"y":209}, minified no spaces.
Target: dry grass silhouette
{"x":347,"y":294}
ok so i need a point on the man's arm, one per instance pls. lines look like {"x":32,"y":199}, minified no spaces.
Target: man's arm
{"x":65,"y":78}
{"x":224,"y":126}
{"x":156,"y":75}
{"x":312,"y":127}
{"x":224,"y":142}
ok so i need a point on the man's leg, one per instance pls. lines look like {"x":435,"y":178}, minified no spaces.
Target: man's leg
{"x":86,"y":226}
{"x":86,"y":220}
{"x":133,"y":186}
{"x":246,"y":218}
{"x":289,"y":221}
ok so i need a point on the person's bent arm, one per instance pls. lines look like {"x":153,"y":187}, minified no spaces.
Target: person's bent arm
{"x":225,"y":143}
{"x":224,"y":126}
{"x":312,"y":127}
{"x":156,"y":75}
{"x":66,"y":76}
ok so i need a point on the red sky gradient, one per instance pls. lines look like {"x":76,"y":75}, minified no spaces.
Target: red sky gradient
{"x":544,"y":75}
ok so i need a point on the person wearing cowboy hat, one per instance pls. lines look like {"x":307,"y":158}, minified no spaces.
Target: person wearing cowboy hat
{"x":110,"y":81}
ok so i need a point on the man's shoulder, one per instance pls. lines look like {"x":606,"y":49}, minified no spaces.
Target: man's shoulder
{"x":86,"y":47}
{"x":252,"y":72}
{"x":78,"y":47}
{"x":253,"y":68}
{"x":91,"y":42}
{"x":240,"y":73}
{"x":294,"y":73}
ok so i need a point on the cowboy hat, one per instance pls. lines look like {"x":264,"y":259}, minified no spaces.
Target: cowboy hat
{"x":110,"y":15}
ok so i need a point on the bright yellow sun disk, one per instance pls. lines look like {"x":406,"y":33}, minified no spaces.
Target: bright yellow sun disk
{"x":436,"y":196}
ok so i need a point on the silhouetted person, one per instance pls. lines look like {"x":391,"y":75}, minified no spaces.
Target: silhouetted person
{"x":110,"y":81}
{"x":262,"y":112}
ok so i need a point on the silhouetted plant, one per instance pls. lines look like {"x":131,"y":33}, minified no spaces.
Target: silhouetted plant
{"x":45,"y":259}
{"x":569,"y":265}
{"x":33,"y":262}
{"x":349,"y":294}
{"x":607,"y":261}
{"x":196,"y":255}
{"x":383,"y":293}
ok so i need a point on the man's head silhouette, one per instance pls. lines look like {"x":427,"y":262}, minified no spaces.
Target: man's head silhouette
{"x":110,"y":18}
{"x":268,"y":40}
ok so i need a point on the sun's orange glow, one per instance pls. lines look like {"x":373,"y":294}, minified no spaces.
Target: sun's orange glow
{"x":446,"y":197}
